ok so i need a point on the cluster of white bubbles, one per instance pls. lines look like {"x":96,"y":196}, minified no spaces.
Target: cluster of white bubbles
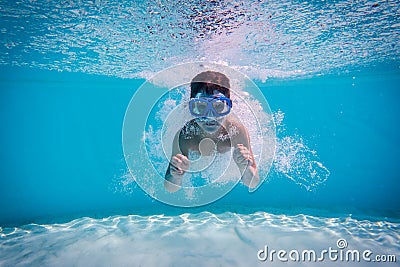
{"x":295,"y":160}
{"x":160,"y":106}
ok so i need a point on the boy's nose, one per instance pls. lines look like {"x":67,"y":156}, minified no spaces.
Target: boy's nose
{"x":210,"y":113}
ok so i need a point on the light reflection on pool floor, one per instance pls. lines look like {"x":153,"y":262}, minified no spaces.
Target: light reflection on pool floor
{"x":203,"y":239}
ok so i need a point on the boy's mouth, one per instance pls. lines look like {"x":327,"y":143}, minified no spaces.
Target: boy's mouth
{"x":211,"y":123}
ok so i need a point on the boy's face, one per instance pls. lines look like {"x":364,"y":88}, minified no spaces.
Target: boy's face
{"x":210,"y":123}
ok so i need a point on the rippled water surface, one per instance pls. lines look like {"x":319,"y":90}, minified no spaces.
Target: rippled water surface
{"x":262,"y":38}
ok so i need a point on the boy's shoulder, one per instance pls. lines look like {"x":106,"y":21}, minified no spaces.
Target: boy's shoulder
{"x":236,"y":130}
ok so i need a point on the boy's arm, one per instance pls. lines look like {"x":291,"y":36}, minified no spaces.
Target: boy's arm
{"x":245,"y":161}
{"x":244,"y":158}
{"x":179,"y":163}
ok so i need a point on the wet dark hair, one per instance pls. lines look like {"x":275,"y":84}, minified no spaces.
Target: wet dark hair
{"x":208,"y":81}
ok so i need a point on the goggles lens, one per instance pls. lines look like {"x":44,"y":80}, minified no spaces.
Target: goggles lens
{"x":205,"y":107}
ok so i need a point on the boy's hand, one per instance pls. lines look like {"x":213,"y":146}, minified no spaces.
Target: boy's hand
{"x":242,"y":156}
{"x":179,"y":164}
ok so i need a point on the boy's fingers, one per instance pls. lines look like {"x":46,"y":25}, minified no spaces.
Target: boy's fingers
{"x":183,"y":159}
{"x":176,"y":160}
{"x":242,"y":150}
{"x":241,"y":147}
{"x":238,"y":148}
{"x":180,"y":162}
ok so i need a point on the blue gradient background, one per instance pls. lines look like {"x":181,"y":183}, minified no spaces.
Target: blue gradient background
{"x":61,"y":145}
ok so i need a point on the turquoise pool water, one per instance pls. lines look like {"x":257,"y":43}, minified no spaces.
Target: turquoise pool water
{"x":329,"y":71}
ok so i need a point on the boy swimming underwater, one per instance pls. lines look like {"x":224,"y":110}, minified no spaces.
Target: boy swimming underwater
{"x":212,"y":130}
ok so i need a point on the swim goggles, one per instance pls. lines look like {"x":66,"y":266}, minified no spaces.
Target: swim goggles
{"x":206,"y":107}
